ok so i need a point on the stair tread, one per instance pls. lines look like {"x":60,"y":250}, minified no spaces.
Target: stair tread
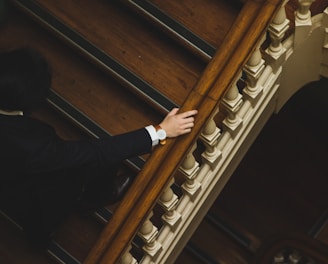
{"x":15,"y":249}
{"x":98,"y":96}
{"x":134,"y":44}
{"x":216,"y":17}
{"x":63,"y":127}
{"x":181,"y":20}
{"x":78,"y":234}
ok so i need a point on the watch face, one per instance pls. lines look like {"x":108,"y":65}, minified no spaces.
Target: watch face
{"x":161,"y":134}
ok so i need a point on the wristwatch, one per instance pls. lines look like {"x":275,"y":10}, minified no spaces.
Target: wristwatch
{"x":161,"y":134}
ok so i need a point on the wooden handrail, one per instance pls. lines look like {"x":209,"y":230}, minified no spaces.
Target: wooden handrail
{"x":218,"y":76}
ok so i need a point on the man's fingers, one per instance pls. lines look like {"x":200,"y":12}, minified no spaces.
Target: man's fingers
{"x":185,"y":131}
{"x":174,"y":111}
{"x":186,"y":121}
{"x":189,"y":113}
{"x":186,"y":125}
{"x":186,"y":114}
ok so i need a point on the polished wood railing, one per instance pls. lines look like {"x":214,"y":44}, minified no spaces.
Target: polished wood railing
{"x":157,"y":174}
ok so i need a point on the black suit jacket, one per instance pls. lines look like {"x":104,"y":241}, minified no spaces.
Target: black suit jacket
{"x":28,"y":145}
{"x":42,"y":175}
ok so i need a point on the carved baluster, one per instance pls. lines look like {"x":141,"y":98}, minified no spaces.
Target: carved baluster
{"x":303,"y":13}
{"x":303,"y":21}
{"x":276,"y":53}
{"x":209,"y":136}
{"x":169,"y":201}
{"x":148,"y":233}
{"x":189,"y":168}
{"x":253,"y":70}
{"x":232,"y":103}
{"x":127,"y":258}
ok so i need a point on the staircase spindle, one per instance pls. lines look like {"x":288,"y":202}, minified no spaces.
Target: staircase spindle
{"x":232,"y":103}
{"x":190,"y":168}
{"x":253,"y":70}
{"x":276,"y":52}
{"x":148,"y":233}
{"x":169,"y":201}
{"x":303,"y":21}
{"x":127,"y":258}
{"x":303,"y":13}
{"x":209,"y":137}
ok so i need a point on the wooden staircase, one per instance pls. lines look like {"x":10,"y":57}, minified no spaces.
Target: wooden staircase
{"x":117,"y":66}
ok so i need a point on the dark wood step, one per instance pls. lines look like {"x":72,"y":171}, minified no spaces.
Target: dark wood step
{"x":133,"y":44}
{"x":198,"y":26}
{"x":97,"y":96}
{"x":15,"y":249}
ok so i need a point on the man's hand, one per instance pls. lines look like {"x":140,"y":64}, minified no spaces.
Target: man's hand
{"x":176,"y":124}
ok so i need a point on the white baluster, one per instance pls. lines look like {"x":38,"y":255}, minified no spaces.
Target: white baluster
{"x":189,"y":168}
{"x":232,"y":102}
{"x":303,"y":13}
{"x":303,"y":21}
{"x":169,"y":201}
{"x":253,"y":70}
{"x":127,"y":258}
{"x":209,"y":136}
{"x":148,"y":232}
{"x":276,"y":53}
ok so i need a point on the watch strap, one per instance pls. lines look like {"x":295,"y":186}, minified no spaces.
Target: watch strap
{"x":162,"y":141}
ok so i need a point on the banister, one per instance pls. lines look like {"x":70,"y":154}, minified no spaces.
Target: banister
{"x":248,"y":29}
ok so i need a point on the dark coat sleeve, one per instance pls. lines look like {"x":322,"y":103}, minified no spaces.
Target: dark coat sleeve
{"x":36,"y":147}
{"x":58,"y":153}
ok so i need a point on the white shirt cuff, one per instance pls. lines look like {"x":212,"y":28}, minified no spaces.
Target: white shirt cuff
{"x":153,"y":135}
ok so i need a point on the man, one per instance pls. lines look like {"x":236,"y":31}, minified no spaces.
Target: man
{"x":43,"y":176}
